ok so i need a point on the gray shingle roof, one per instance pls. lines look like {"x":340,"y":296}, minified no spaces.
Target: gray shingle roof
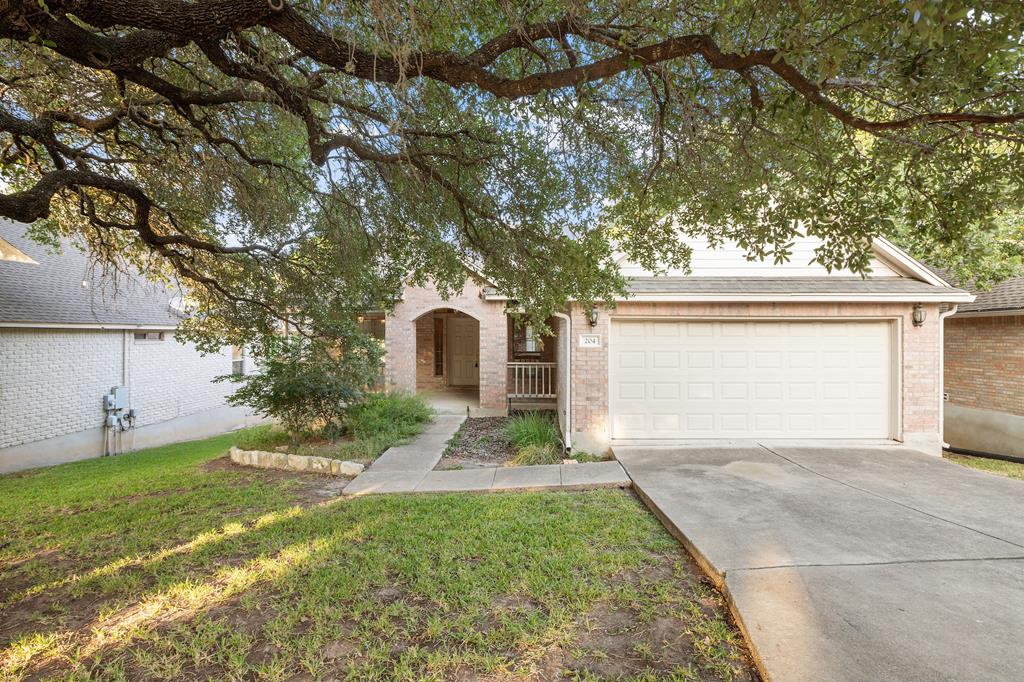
{"x":66,"y":289}
{"x":1005,"y":296}
{"x":782,"y":285}
{"x":1008,"y":295}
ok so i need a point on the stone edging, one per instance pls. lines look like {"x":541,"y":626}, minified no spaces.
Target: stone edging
{"x":263,"y":459}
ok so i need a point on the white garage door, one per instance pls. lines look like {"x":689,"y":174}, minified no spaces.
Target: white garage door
{"x":716,"y":379}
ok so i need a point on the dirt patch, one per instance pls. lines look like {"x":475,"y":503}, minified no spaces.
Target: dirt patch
{"x":655,"y":631}
{"x":652,"y":629}
{"x":308,"y":488}
{"x":480,"y":442}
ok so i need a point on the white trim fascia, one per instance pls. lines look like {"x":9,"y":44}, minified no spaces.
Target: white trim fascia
{"x":852,"y":298}
{"x":897,"y":256}
{"x":89,"y":325}
{"x":937,"y":297}
{"x":941,"y":296}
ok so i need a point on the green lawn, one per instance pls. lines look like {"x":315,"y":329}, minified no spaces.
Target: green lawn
{"x":993,"y":466}
{"x":167,"y":565}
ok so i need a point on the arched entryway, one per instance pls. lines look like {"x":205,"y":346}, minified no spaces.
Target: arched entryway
{"x":448,"y":359}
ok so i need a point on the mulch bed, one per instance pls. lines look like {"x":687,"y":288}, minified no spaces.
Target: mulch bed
{"x":481,"y":442}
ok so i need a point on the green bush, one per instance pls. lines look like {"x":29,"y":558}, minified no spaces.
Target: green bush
{"x":370,"y":428}
{"x":533,"y":428}
{"x":381,"y":421}
{"x":537,"y":454}
{"x":388,"y":412}
{"x":309,"y":384}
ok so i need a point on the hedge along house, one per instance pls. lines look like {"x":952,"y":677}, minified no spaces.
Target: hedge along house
{"x":984,"y":372}
{"x":736,"y":349}
{"x":68,"y":336}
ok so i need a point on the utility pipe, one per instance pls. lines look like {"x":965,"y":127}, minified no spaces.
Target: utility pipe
{"x":942,"y":375}
{"x":568,"y":380}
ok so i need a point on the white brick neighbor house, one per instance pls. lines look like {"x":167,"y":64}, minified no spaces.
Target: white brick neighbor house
{"x":69,"y":335}
{"x":735,"y":349}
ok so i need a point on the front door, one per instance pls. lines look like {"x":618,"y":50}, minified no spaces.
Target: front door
{"x":463,"y":351}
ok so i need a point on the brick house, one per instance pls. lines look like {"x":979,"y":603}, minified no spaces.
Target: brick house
{"x":69,"y":335}
{"x":984,"y":372}
{"x":735,"y":349}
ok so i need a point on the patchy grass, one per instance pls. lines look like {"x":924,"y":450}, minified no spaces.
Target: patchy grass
{"x":381,"y":421}
{"x":170,"y":564}
{"x":584,"y":456}
{"x":532,"y":455}
{"x":993,"y":466}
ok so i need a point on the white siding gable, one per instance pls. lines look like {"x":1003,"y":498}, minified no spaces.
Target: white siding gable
{"x":729,"y":260}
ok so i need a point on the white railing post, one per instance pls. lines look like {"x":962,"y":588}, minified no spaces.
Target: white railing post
{"x":533,"y":380}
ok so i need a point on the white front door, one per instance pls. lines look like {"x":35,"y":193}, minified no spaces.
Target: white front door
{"x":463,"y":351}
{"x":751,"y":379}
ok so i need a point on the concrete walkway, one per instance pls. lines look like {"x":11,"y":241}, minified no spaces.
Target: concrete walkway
{"x":851,"y":564}
{"x":582,"y":476}
{"x":424,"y":452}
{"x":409,"y":469}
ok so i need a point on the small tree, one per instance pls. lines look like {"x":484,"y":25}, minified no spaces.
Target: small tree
{"x":308,"y":384}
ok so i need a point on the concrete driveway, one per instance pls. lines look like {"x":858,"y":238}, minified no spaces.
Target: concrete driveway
{"x":851,"y":563}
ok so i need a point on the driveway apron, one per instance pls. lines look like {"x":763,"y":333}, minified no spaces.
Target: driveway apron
{"x":851,"y":563}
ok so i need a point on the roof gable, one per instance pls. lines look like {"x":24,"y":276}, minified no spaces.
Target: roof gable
{"x":730,"y":260}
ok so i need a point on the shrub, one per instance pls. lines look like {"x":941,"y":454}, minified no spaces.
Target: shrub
{"x":388,"y":412}
{"x":380,"y":421}
{"x":537,"y":454}
{"x":532,"y":428}
{"x":310,"y":384}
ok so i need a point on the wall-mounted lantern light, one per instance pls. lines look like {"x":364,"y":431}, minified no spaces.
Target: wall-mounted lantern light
{"x":919,"y":315}
{"x":592,"y":316}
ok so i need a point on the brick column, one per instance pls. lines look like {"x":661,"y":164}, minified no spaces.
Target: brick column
{"x":400,"y":354}
{"x":493,"y":358}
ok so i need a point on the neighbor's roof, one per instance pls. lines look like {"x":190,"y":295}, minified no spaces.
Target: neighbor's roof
{"x":66,"y":289}
{"x":1007,"y":296}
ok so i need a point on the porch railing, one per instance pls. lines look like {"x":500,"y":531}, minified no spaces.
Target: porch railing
{"x":532,"y":380}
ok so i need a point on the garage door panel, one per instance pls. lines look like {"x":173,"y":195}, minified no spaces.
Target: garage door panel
{"x":718,"y":379}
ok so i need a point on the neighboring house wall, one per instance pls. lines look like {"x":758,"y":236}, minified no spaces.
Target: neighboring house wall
{"x":400,"y":339}
{"x":167,"y":379}
{"x":919,"y":360}
{"x":52,"y":383}
{"x":984,"y":379}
